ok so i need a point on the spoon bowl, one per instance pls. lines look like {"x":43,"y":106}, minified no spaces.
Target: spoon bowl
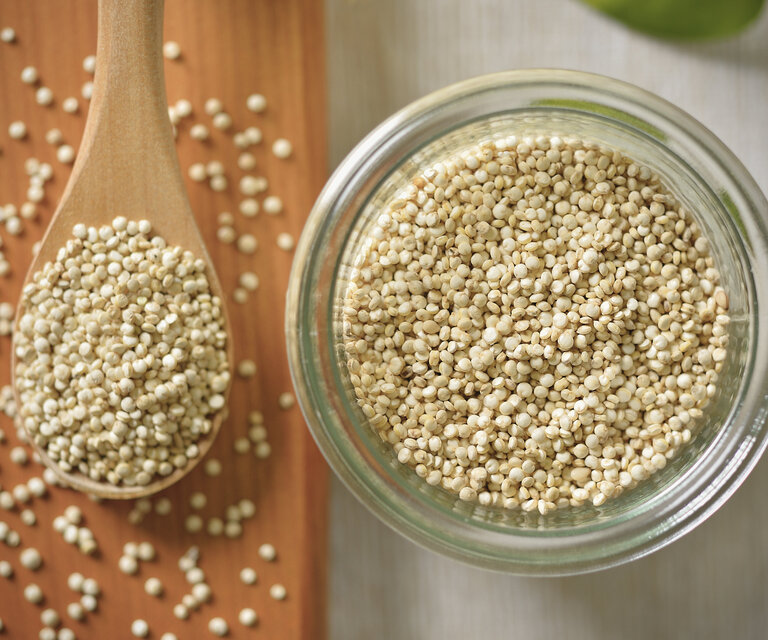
{"x":127,"y":166}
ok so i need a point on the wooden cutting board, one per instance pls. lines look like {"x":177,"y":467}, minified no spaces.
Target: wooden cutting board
{"x":230,"y":49}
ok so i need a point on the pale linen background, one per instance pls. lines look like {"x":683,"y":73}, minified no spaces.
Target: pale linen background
{"x":711,"y":585}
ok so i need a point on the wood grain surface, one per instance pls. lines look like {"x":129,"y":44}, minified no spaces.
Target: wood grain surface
{"x":230,"y":49}
{"x":713,"y":583}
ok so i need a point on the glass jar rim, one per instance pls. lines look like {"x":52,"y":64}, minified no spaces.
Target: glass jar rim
{"x":709,"y":481}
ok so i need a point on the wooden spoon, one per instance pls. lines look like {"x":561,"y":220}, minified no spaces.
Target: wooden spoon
{"x":127,"y":165}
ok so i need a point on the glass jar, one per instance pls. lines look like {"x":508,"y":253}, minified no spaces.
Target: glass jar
{"x":695,"y":166}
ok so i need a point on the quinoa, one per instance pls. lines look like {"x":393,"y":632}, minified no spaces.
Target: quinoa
{"x":121,"y":355}
{"x":535,"y":323}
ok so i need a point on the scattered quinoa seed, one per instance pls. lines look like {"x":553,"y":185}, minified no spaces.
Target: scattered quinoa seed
{"x":246,"y":368}
{"x":218,"y":627}
{"x":70,"y":105}
{"x":146,"y":551}
{"x":247,"y":508}
{"x":144,"y":505}
{"x":171,"y":50}
{"x":31,"y":559}
{"x":44,"y":96}
{"x":6,"y":570}
{"x":91,"y":587}
{"x":199,"y":132}
{"x":233,"y":529}
{"x":273,"y":205}
{"x":286,"y":400}
{"x":249,"y":186}
{"x":249,"y":207}
{"x":183,"y":108}
{"x":198,"y":500}
{"x":193,"y":523}
{"x":35,"y":193}
{"x":195,"y":575}
{"x":242,"y":445}
{"x":222,"y":121}
{"x":214,"y":168}
{"x":75,"y":611}
{"x":225,"y":218}
{"x":214,"y":527}
{"x":285,"y":241}
{"x":248,"y":576}
{"x":212,"y":467}
{"x":278,"y":592}
{"x":75,"y":581}
{"x":50,"y":478}
{"x":256,"y":102}
{"x":37,"y":487}
{"x":13,"y":226}
{"x":65,"y":154}
{"x":50,"y":618}
{"x":247,"y":244}
{"x":17,"y":130}
{"x":89,"y":602}
{"x":201,"y":592}
{"x":240,"y":295}
{"x":6,"y":500}
{"x":213,"y":106}
{"x":240,"y":140}
{"x":246,"y":161}
{"x":73,"y":514}
{"x":28,"y":210}
{"x":22,"y":494}
{"x":197,"y":172}
{"x":29,"y":75}
{"x":33,"y":593}
{"x":13,"y":539}
{"x":54,"y":137}
{"x":253,"y":135}
{"x":282,"y":148}
{"x":248,"y":617}
{"x":163,"y":506}
{"x":249,"y":281}
{"x":226,"y":234}
{"x":153,"y":587}
{"x":267,"y":552}
{"x":128,"y":565}
{"x":140,"y":628}
{"x":19,"y":456}
{"x":218,"y":183}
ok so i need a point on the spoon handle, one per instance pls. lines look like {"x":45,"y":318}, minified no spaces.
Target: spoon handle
{"x":128,"y":138}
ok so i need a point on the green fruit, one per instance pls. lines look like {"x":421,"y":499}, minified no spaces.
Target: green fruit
{"x":682,"y":19}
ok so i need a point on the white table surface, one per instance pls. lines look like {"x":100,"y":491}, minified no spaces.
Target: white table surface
{"x":713,"y":584}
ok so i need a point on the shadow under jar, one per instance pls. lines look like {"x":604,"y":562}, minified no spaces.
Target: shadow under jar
{"x":695,"y":167}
